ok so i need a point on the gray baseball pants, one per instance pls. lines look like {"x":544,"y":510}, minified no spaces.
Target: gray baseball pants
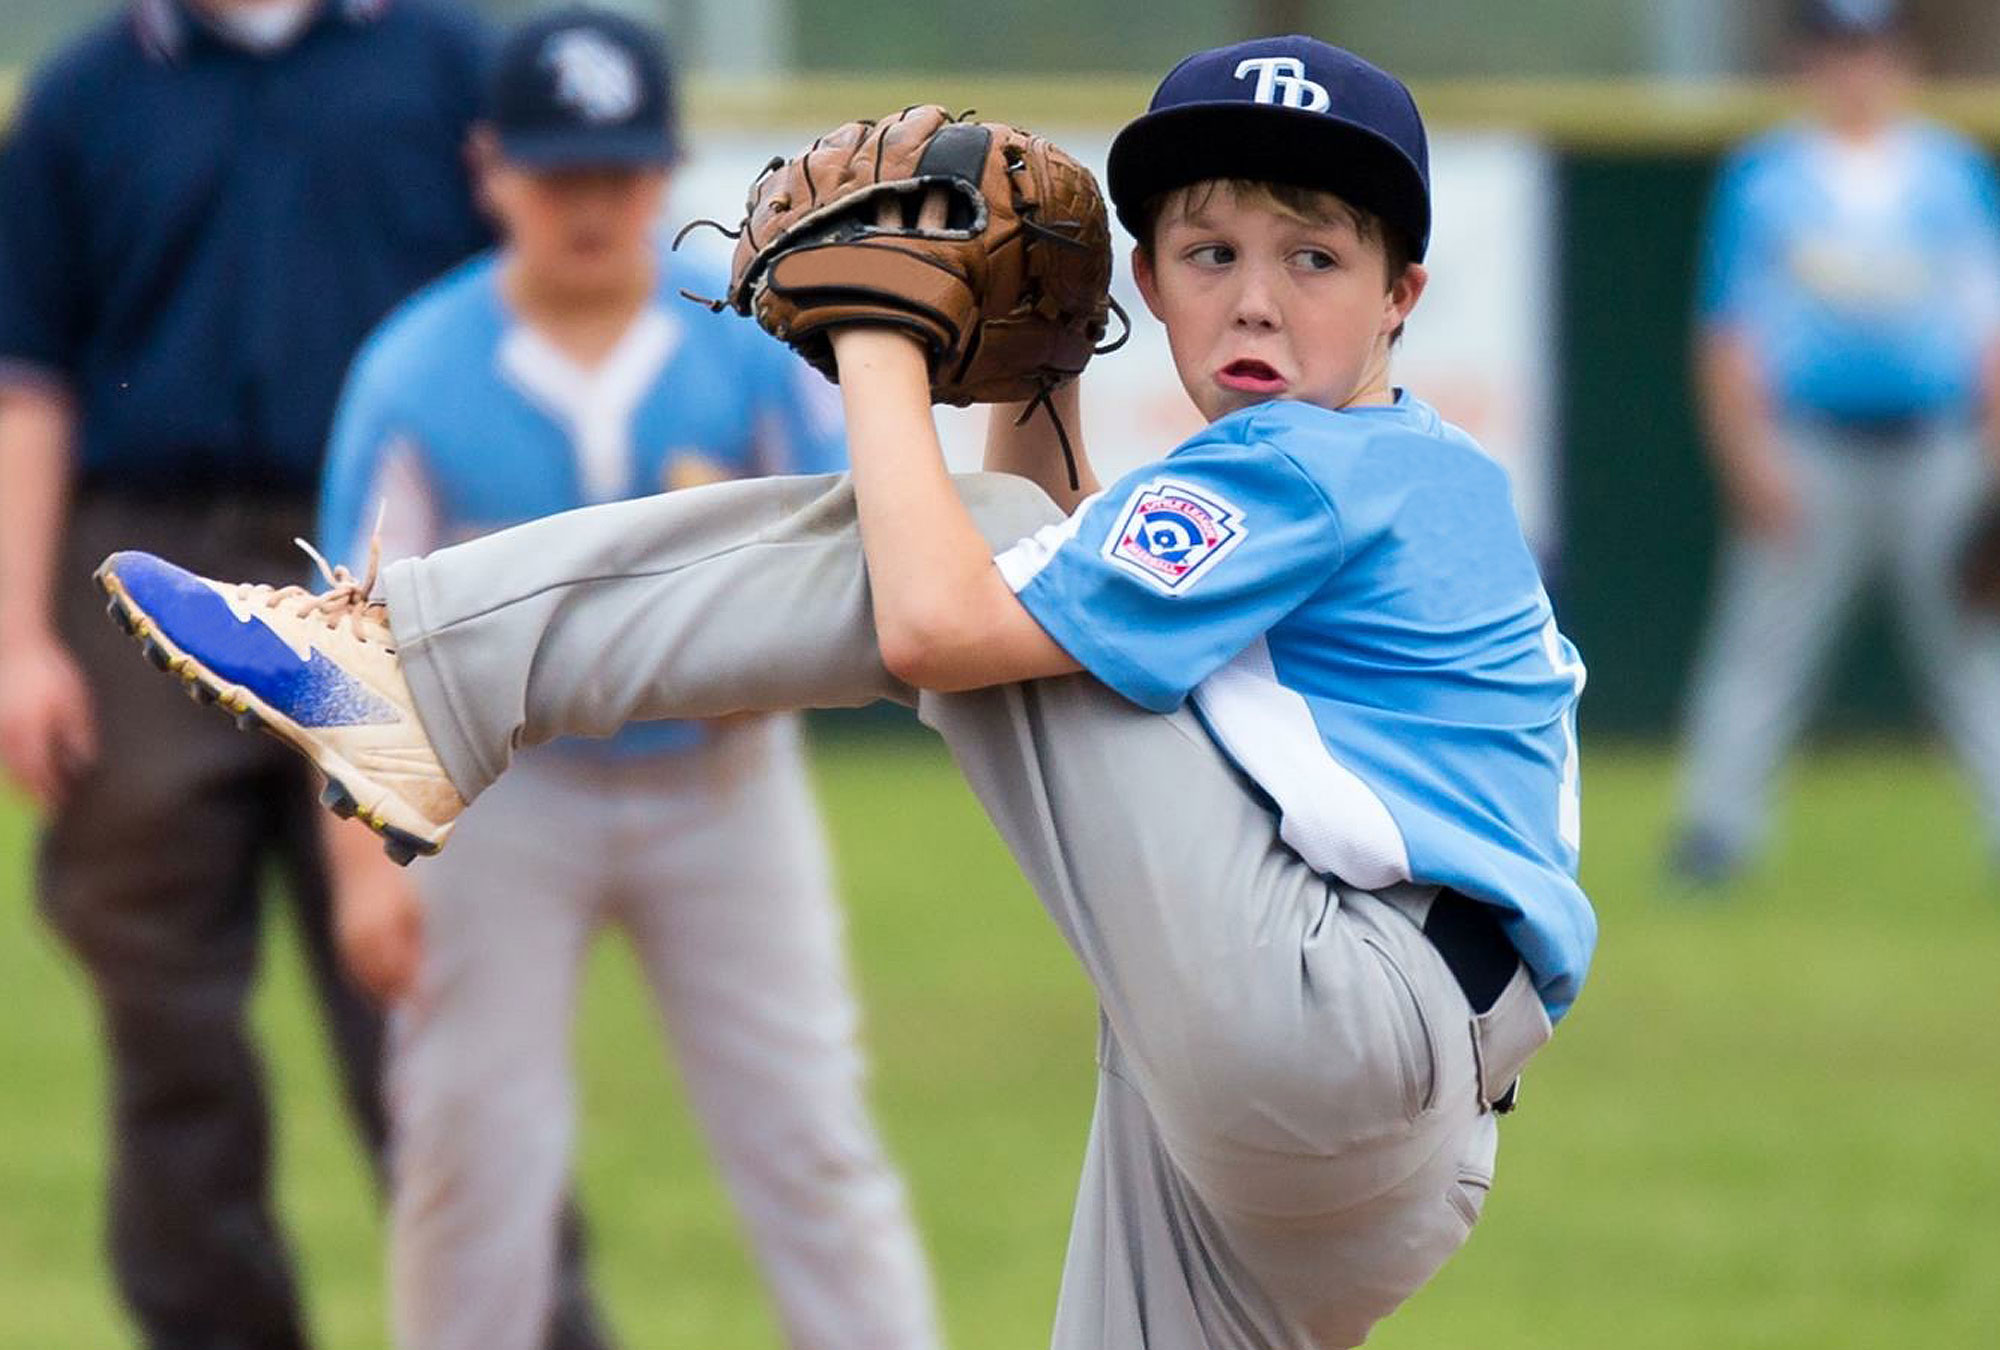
{"x":1291,"y":1132}
{"x":1868,"y":509}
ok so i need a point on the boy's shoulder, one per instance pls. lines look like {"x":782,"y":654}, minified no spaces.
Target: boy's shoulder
{"x":1323,"y":440}
{"x":1360,"y":467}
{"x":1946,"y":145}
{"x":435,"y":328}
{"x":93,"y":72}
{"x":1768,"y":160}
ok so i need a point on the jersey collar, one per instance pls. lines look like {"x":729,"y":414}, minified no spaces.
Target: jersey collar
{"x":162,"y":25}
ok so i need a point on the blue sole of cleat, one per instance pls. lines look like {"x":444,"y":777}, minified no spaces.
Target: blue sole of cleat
{"x":402,"y":847}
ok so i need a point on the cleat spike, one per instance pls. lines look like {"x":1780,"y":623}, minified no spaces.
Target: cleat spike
{"x":337,"y":799}
{"x":401,"y":852}
{"x":200,"y":692}
{"x":248,"y":721}
{"x":156,"y":655}
{"x":121,"y":616}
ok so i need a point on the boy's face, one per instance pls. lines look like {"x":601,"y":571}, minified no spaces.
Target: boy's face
{"x":581,"y":230}
{"x":1260,"y":304}
{"x":1858,"y":83}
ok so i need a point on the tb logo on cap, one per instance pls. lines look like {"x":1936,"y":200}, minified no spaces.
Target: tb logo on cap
{"x":1282,"y":80}
{"x":593,"y":75}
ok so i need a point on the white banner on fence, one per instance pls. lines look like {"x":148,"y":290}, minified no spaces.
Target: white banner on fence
{"x":1481,"y":347}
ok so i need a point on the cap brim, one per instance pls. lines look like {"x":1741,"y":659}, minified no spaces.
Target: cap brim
{"x":1197,"y":142}
{"x":625,"y":148}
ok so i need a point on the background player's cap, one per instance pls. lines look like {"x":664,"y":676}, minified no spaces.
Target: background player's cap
{"x":582,"y":88}
{"x":1849,"y":20}
{"x":1281,"y":110}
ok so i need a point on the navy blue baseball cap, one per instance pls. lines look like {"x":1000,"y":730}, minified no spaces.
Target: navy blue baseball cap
{"x":1289,"y":110}
{"x":1849,"y":20}
{"x":583,"y":88}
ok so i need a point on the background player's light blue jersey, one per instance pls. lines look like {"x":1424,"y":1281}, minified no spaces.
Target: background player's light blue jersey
{"x":1867,"y":279}
{"x":467,"y":421}
{"x":1348,"y":599}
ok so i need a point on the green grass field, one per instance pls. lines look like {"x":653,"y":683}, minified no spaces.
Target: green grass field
{"x":1770,"y":1123}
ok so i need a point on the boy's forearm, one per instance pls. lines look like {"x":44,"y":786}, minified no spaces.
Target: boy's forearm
{"x":37,"y":428}
{"x":922,"y":547}
{"x":1030,"y":448}
{"x":1733,"y":407}
{"x":944,"y":617}
{"x":1989,"y":404}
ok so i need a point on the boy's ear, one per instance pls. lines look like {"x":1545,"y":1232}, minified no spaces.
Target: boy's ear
{"x":1142,"y":275}
{"x":482,"y":156}
{"x":1404,"y":292}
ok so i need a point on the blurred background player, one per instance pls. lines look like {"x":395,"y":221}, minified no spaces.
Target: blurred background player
{"x":1850,"y":306}
{"x":204,"y":206}
{"x":563,"y":371}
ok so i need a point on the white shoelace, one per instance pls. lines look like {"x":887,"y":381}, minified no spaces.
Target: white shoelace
{"x":346,"y":597}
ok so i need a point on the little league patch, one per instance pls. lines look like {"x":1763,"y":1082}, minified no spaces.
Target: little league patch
{"x":1170,"y":533}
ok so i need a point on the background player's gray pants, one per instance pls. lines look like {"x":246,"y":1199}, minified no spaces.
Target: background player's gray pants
{"x":1867,"y":509}
{"x":711,"y":862}
{"x":1289,"y":1135}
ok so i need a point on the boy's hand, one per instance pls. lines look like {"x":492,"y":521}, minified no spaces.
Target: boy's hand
{"x":48,"y":733}
{"x":378,"y":925}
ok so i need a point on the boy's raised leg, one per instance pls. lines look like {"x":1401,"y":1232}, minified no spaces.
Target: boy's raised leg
{"x":741,"y":597}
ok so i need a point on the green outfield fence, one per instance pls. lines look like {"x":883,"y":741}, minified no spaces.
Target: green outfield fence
{"x":1635,"y":160}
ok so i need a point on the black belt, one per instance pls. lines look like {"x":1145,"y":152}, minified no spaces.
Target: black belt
{"x":1469,"y":937}
{"x":1475,"y":947}
{"x":1882,"y":430}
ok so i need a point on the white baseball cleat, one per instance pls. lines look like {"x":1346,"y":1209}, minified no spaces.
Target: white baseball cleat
{"x":319,"y":672}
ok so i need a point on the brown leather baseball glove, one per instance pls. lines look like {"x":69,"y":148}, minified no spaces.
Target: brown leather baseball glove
{"x":988,"y":244}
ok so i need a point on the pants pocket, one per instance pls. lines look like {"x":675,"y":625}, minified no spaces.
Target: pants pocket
{"x":1416,"y":1045}
{"x":1468,"y":1190}
{"x":1468,"y":1196}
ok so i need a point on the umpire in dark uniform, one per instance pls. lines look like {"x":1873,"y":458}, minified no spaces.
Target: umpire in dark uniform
{"x":204,"y":206}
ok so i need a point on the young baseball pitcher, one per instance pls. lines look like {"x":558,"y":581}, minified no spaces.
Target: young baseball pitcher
{"x":561,"y":370}
{"x":1280,"y":727}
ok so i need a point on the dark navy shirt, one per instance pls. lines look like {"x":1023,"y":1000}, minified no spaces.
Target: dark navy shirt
{"x":194,"y":238}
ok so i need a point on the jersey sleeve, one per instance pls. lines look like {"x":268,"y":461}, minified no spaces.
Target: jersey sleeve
{"x":43,"y":295}
{"x":799,"y":428}
{"x":376,"y":470}
{"x":1727,"y":249}
{"x":1156,"y":583}
{"x":1982,"y":265}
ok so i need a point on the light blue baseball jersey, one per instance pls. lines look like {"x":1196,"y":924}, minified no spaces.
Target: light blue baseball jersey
{"x":1348,"y":600}
{"x":466,"y":421}
{"x":1866,"y":278}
